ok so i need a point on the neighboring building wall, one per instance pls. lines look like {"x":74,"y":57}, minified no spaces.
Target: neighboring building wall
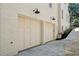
{"x":63,"y":18}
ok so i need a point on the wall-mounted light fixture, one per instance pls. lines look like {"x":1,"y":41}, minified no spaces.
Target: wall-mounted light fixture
{"x":36,"y":11}
{"x":52,"y":18}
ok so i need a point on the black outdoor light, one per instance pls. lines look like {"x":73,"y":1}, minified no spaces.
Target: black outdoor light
{"x":36,"y":11}
{"x":52,"y":18}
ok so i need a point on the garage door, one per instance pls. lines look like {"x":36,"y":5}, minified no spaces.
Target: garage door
{"x":30,"y":32}
{"x":48,"y":31}
{"x":35,"y":32}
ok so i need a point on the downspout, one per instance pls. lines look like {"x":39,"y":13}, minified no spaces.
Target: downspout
{"x":59,"y":21}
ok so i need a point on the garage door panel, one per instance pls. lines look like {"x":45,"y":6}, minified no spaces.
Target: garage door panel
{"x":48,"y":31}
{"x":51,"y":31}
{"x":21,"y":26}
{"x":35,"y":32}
{"x":27,"y":34}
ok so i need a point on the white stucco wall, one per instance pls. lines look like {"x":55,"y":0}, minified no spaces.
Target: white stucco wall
{"x":45,"y":10}
{"x":9,"y":18}
{"x":9,"y":27}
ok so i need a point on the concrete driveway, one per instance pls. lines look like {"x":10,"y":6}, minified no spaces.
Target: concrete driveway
{"x":54,"y":48}
{"x":72,"y":47}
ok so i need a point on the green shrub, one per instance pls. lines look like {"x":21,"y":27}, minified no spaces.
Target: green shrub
{"x":66,"y":33}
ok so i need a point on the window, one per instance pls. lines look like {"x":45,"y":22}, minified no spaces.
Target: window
{"x":65,"y":3}
{"x":62,"y":14}
{"x":50,"y":5}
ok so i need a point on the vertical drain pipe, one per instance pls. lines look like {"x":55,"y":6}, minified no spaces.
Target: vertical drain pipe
{"x":59,"y":21}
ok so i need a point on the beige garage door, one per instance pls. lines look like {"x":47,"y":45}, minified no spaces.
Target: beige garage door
{"x":35,"y":32}
{"x":48,"y":32}
{"x":30,"y":32}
